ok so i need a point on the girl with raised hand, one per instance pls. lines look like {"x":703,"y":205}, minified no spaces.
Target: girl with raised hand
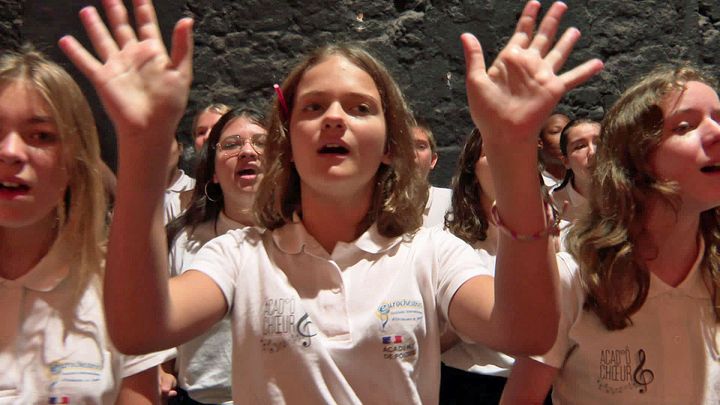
{"x":341,"y":298}
{"x":228,"y":176}
{"x":54,"y":346}
{"x":639,"y":323}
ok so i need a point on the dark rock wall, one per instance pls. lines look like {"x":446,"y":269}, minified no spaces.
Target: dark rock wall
{"x":243,"y":47}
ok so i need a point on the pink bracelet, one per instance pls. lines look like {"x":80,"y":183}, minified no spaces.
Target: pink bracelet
{"x":552,"y":225}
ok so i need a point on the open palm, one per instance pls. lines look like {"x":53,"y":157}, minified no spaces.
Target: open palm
{"x":141,"y":87}
{"x":510,"y":101}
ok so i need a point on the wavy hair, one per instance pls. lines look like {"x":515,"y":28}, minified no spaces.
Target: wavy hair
{"x":207,"y":199}
{"x":399,"y":193}
{"x":605,"y":243}
{"x":466,"y":218}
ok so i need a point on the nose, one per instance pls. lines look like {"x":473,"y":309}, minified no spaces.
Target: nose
{"x":334,"y":117}
{"x":712,"y":134}
{"x":247,"y":150}
{"x":12,"y":149}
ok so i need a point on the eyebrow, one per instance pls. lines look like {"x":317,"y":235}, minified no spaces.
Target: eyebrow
{"x":40,"y":119}
{"x":688,"y":111}
{"x":324,"y":93}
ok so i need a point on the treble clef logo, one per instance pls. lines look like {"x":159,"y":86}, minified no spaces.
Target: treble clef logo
{"x":642,"y":376}
{"x":303,"y":329}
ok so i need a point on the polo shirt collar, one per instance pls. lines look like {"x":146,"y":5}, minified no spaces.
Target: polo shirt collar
{"x":694,"y":284}
{"x":51,"y":270}
{"x":293,"y":238}
{"x":181,"y":184}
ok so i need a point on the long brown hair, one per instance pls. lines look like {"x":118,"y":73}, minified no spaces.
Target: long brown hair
{"x":613,"y":272}
{"x":400,"y":191}
{"x":466,"y":218}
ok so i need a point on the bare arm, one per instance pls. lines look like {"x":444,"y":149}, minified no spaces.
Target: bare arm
{"x":139,"y":389}
{"x":509,"y":102}
{"x":529,"y":382}
{"x":144,"y":91}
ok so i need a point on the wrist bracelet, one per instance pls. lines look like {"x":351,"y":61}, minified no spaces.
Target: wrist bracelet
{"x":552,"y":223}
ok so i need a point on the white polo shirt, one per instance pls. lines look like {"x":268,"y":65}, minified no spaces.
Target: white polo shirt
{"x":668,"y":356}
{"x":204,"y":363}
{"x":173,"y":208}
{"x":474,"y":357}
{"x":438,"y":203}
{"x":52,"y":350}
{"x":361,"y":325}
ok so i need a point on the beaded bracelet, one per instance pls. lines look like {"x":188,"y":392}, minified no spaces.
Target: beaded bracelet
{"x":552,"y":226}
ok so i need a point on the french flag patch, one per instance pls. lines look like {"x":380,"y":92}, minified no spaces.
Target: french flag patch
{"x":59,"y":400}
{"x":392,"y":339}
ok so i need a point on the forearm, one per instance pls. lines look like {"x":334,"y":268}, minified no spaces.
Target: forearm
{"x":525,"y":273}
{"x":136,"y":280}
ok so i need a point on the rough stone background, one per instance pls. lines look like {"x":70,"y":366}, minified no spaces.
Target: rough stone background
{"x":242,"y":47}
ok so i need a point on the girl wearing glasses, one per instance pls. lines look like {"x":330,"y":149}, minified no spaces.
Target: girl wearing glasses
{"x":341,"y":299}
{"x":228,"y":175}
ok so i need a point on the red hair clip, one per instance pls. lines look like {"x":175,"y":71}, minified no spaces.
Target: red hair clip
{"x":281,"y":100}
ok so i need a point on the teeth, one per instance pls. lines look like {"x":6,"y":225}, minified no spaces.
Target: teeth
{"x":9,"y":184}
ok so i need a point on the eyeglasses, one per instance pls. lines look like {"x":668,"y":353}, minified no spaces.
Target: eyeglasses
{"x":232,"y":145}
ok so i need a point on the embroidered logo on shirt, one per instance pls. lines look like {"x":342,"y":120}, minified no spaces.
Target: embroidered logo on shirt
{"x":282,"y":324}
{"x":622,"y":370}
{"x":398,"y":347}
{"x":401,"y":310}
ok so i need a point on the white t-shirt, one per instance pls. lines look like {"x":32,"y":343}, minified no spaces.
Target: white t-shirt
{"x":204,"y":363}
{"x":361,"y":325}
{"x":173,"y":207}
{"x":668,"y":356}
{"x":477,"y":358}
{"x":438,"y":203}
{"x":53,"y":350}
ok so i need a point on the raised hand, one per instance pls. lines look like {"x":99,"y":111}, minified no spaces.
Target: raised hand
{"x":143,"y":89}
{"x":510,"y":101}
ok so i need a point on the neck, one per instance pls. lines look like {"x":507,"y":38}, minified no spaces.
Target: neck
{"x":240,"y":210}
{"x":333,"y":219}
{"x":173,"y":176}
{"x":672,"y":245}
{"x":22,"y":248}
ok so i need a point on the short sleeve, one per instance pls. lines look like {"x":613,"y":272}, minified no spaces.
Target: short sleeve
{"x":457,"y":263}
{"x":219,"y":259}
{"x":132,"y":365}
{"x":570,"y":306}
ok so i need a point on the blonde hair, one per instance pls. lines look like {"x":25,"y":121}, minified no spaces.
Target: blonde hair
{"x":84,"y":206}
{"x":605,"y":242}
{"x":215,"y":108}
{"x":399,"y":193}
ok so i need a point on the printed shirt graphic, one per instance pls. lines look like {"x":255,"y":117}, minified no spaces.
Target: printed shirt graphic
{"x":668,"y":356}
{"x":347,"y":327}
{"x":52,"y":351}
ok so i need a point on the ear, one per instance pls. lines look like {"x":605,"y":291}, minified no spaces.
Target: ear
{"x":540,"y":143}
{"x":215,"y":179}
{"x":565,"y":162}
{"x":433,"y":161}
